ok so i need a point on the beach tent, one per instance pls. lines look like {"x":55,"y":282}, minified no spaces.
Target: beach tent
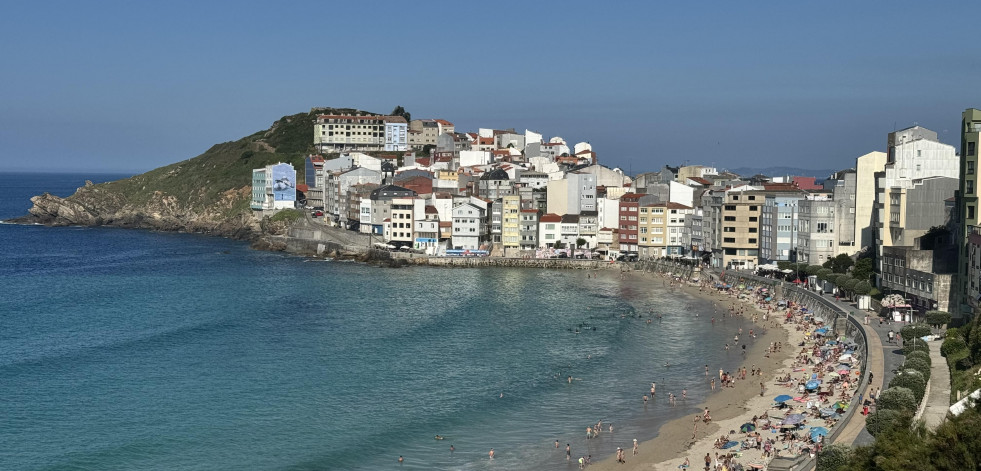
{"x":793,"y":419}
{"x":782,"y":398}
{"x":747,"y":427}
{"x":813,"y":384}
{"x":818,"y":432}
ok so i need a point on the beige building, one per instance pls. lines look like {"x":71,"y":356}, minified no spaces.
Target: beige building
{"x":510,"y":224}
{"x":423,"y":132}
{"x":740,"y":227}
{"x":399,"y":231}
{"x":660,"y":227}
{"x":368,"y":133}
{"x":866,"y":167}
{"x":693,"y":171}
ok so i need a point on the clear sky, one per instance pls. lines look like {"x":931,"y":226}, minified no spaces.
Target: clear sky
{"x":131,"y":86}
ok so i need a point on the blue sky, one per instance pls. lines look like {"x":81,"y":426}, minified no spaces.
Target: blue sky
{"x":131,"y":86}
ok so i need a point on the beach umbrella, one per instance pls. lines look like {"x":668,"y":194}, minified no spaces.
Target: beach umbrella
{"x":819,"y":320}
{"x":793,"y":419}
{"x":845,"y":358}
{"x":844,"y":371}
{"x":818,"y":431}
{"x":827,"y":412}
{"x":822,"y":330}
{"x":747,"y":427}
{"x":841,"y":405}
{"x":782,"y":398}
{"x":813,"y":384}
{"x":729,"y":445}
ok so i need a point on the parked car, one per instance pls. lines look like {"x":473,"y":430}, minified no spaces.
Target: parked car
{"x":318,"y":213}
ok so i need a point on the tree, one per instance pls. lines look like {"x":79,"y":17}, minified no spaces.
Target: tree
{"x":841,"y":263}
{"x":914,"y":331}
{"x":938,"y":319}
{"x":399,"y":111}
{"x":823,"y":273}
{"x":863,"y":269}
{"x":912,"y":380}
{"x":812,"y":270}
{"x":884,"y":421}
{"x":834,"y":457}
{"x":848,"y":284}
{"x":580,"y":242}
{"x":833,"y":278}
{"x":862,"y":287}
{"x":898,"y":399}
{"x":558,"y":245}
{"x":918,"y":354}
{"x":918,"y":365}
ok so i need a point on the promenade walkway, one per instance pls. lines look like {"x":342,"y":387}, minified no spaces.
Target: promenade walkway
{"x":875,"y":364}
{"x":938,"y":397}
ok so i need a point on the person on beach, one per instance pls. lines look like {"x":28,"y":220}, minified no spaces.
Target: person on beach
{"x":635,"y":446}
{"x":568,"y":452}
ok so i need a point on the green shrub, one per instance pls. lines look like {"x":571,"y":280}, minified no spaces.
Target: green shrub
{"x":953,"y":332}
{"x":863,"y":287}
{"x":953,"y":345}
{"x":920,"y":354}
{"x":965,"y":363}
{"x":896,"y":398}
{"x":912,"y":380}
{"x":834,"y":457}
{"x":823,"y":273}
{"x":915,"y":345}
{"x":918,"y":365}
{"x":883,"y":421}
{"x":286,"y":215}
{"x":915,"y":331}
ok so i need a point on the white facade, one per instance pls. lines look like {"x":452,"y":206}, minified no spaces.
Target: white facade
{"x":608,"y":211}
{"x":469,"y":158}
{"x":396,"y":136}
{"x":469,"y":225}
{"x":274,"y":187}
{"x":680,"y":193}
{"x":342,"y":132}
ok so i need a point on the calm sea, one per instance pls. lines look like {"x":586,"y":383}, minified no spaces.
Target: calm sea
{"x":124,"y":349}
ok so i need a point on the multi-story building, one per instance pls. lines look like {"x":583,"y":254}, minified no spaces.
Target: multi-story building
{"x":589,"y":227}
{"x":355,"y":194}
{"x":967,"y":297}
{"x":511,"y":223}
{"x":923,"y":277}
{"x":495,"y":184}
{"x":368,"y":133}
{"x":914,"y":155}
{"x":469,"y":226}
{"x":573,"y":194}
{"x":816,"y":237}
{"x":628,"y":224}
{"x":778,"y":227}
{"x":569,"y":230}
{"x":843,"y":188}
{"x":529,"y":229}
{"x":274,"y":187}
{"x":378,"y":207}
{"x":314,"y":177}
{"x":426,"y":228}
{"x":549,"y":229}
{"x":866,"y":169}
{"x":740,"y":227}
{"x":400,"y":231}
{"x":337,"y":184}
{"x":424,"y":132}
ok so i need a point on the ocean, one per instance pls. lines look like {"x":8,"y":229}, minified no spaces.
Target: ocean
{"x":128,"y":349}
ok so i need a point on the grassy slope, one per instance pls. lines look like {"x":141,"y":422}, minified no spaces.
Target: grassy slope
{"x":199,"y":183}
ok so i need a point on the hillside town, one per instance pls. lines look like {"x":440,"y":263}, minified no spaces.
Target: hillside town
{"x":423,"y":186}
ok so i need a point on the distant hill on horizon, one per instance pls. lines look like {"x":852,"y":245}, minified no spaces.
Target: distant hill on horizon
{"x":820,"y":174}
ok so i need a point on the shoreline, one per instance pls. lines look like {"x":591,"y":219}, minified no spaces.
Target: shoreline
{"x":729,"y":408}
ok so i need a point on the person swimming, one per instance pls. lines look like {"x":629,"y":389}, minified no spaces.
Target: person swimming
{"x":439,"y":437}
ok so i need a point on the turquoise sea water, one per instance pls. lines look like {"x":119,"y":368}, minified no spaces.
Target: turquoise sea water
{"x":123,"y":349}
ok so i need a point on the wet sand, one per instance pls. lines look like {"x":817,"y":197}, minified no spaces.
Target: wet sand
{"x":729,"y":407}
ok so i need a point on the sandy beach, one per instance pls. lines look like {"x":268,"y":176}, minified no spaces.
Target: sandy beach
{"x":729,"y":407}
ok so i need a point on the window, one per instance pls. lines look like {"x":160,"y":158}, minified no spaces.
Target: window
{"x":753,"y":218}
{"x":735,"y":197}
{"x":752,"y":208}
{"x":752,"y":230}
{"x":970,"y":167}
{"x":752,"y":198}
{"x":730,"y":218}
{"x":728,"y":229}
{"x":730,"y":207}
{"x":729,"y":239}
{"x":970,"y":212}
{"x":971,"y":150}
{"x":969,"y":186}
{"x":752,"y":241}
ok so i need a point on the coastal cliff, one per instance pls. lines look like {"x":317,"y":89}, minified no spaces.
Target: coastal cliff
{"x":210,"y":193}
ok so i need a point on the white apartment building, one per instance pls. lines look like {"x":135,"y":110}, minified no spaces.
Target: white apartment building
{"x":333,"y":133}
{"x":469,"y":226}
{"x":573,"y":194}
